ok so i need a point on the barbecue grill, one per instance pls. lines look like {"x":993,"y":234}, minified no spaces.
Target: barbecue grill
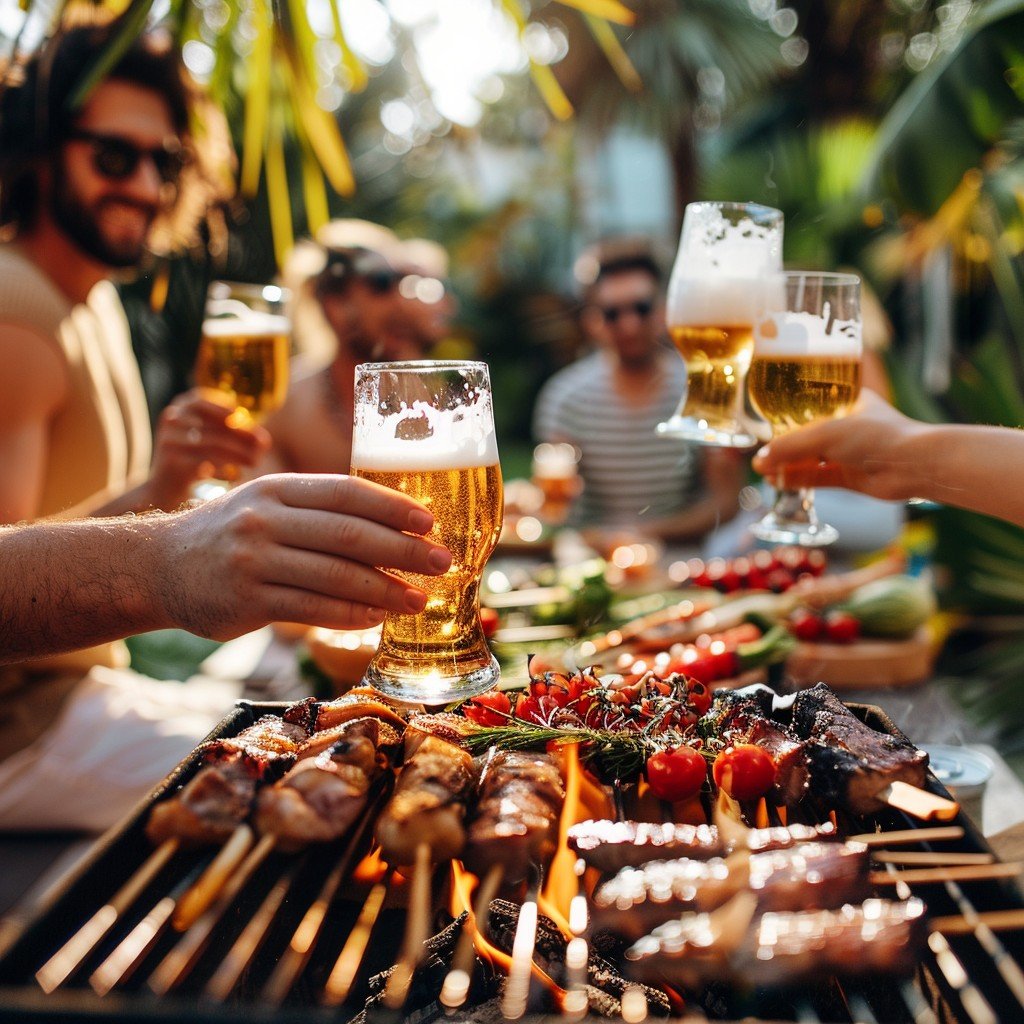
{"x":268,"y":950}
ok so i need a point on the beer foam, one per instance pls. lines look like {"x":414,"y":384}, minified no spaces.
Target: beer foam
{"x":463,"y":439}
{"x":253,"y":325}
{"x":714,"y":247}
{"x":721,"y":301}
{"x":805,"y":334}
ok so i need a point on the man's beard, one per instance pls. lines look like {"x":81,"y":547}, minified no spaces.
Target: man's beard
{"x":81,"y":224}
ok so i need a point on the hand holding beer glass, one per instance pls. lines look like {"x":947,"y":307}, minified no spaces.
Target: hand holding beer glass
{"x":427,"y":429}
{"x":806,"y":367}
{"x":243,"y":356}
{"x":726,"y":253}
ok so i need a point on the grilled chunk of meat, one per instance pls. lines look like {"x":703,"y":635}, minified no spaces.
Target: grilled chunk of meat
{"x":879,"y":936}
{"x":429,"y":804}
{"x":743,"y":720}
{"x":358,"y":703}
{"x":610,"y":845}
{"x":211,"y":805}
{"x":803,"y":876}
{"x":851,"y":762}
{"x":515,"y":822}
{"x":325,"y":793}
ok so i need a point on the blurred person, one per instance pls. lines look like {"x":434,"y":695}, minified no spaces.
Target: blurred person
{"x":608,"y":404}
{"x":289,"y":547}
{"x":878,"y":451}
{"x":355,"y":291}
{"x":427,"y":306}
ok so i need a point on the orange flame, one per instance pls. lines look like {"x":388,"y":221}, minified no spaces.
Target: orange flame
{"x":761,"y":814}
{"x":463,"y":887}
{"x":371,"y":869}
{"x":563,"y":883}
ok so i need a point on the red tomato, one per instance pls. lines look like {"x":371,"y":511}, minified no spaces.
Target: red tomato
{"x":841,"y":627}
{"x":698,"y":697}
{"x":484,"y":708}
{"x":805,"y":625}
{"x":489,"y":621}
{"x":744,"y":771}
{"x":676,"y":774}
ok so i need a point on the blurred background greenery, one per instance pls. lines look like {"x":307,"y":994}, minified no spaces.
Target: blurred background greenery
{"x":890,"y":132}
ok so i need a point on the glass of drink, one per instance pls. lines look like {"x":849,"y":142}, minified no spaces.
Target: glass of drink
{"x":243,"y":357}
{"x":806,"y":367}
{"x":726,"y":253}
{"x":427,"y":429}
{"x":555,"y":473}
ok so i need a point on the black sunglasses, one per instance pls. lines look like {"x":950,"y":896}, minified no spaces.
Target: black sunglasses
{"x":641,"y":308}
{"x":118,"y":158}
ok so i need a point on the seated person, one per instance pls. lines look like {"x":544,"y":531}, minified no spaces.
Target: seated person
{"x":608,"y":404}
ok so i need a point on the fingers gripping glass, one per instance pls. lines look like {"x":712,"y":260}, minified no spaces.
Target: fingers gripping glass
{"x":806,"y":367}
{"x":118,"y":158}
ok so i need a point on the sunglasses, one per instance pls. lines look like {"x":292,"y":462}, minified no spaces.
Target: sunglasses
{"x":117,"y":158}
{"x":641,"y":308}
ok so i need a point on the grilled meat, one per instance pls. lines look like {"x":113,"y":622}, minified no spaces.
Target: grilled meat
{"x":515,"y":822}
{"x":878,"y":936}
{"x":358,"y":703}
{"x":325,"y":793}
{"x":217,"y":799}
{"x":429,"y":803}
{"x":851,"y":762}
{"x":803,"y":876}
{"x":611,"y":845}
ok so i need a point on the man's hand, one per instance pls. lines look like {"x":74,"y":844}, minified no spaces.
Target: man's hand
{"x":309,"y":549}
{"x":197,"y":438}
{"x":866,"y":451}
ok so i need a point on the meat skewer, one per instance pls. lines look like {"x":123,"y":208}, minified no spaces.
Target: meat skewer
{"x":732,"y":945}
{"x":809,"y":875}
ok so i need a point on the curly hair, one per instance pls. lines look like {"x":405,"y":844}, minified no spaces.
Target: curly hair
{"x":37,"y":114}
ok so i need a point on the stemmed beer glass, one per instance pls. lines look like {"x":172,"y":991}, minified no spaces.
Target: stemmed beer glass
{"x":806,"y":367}
{"x":243,"y":356}
{"x":727,"y":251}
{"x":427,"y":429}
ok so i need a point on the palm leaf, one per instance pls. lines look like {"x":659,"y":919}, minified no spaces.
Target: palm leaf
{"x":278,"y":197}
{"x":357,"y":77}
{"x":608,"y":10}
{"x":615,"y":54}
{"x":257,"y":101}
{"x":551,"y":92}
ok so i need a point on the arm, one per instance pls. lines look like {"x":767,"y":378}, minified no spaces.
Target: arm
{"x":292,"y":548}
{"x":879,"y":451}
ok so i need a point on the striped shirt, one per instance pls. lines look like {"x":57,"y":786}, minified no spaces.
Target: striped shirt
{"x":629,"y":472}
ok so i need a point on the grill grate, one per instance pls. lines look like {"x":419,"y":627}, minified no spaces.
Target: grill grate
{"x":268,"y":947}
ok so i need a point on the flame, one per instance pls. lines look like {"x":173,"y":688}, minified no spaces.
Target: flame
{"x":371,"y":869}
{"x":563,"y":881}
{"x":463,"y":886}
{"x":783,"y":812}
{"x":761,"y":814}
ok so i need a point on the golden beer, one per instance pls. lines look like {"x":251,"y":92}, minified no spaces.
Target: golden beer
{"x":789,"y":391}
{"x":716,"y":361}
{"x":446,"y":638}
{"x":250,"y":368}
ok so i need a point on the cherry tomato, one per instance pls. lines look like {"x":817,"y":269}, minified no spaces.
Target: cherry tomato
{"x":841,"y":627}
{"x":488,"y":621}
{"x":676,"y":774}
{"x":744,"y":771}
{"x":484,"y":708}
{"x":805,"y":625}
{"x":698,"y":697}
{"x":779,"y":580}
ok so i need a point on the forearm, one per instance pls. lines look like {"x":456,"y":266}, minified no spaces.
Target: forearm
{"x":971,"y":467}
{"x":69,"y":585}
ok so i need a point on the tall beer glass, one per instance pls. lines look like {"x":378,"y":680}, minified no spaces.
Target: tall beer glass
{"x":427,"y":429}
{"x":726,"y":252}
{"x":807,"y":366}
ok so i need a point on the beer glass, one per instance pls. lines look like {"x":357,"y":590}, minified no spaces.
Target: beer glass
{"x":806,"y":367}
{"x":726,"y":253}
{"x":243,"y":357}
{"x":427,"y":429}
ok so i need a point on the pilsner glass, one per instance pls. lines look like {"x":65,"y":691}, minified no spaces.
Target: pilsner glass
{"x":807,"y":366}
{"x":726,"y":252}
{"x":427,"y":429}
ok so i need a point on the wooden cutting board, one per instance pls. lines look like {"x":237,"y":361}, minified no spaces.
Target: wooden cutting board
{"x":864,"y":663}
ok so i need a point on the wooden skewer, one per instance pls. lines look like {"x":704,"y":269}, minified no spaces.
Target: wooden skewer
{"x":70,"y":956}
{"x":931,"y":858}
{"x":213,"y":879}
{"x":179,"y":961}
{"x":936,"y":834}
{"x":417,"y":931}
{"x":343,"y":974}
{"x":996,"y":920}
{"x":926,"y":876}
{"x":456,"y":984}
{"x":918,"y":803}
